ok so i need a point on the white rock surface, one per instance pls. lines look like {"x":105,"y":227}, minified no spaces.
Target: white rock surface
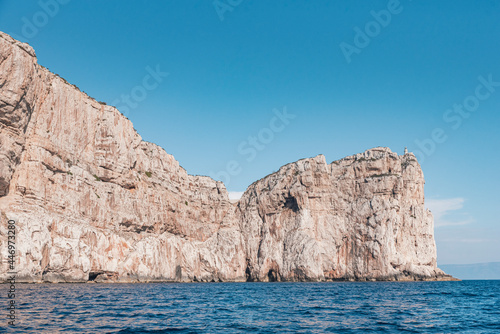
{"x":92,"y":201}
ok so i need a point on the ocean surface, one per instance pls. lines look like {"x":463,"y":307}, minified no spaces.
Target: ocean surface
{"x":375,"y":307}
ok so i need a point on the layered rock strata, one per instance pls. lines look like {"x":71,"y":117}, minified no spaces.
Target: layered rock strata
{"x":92,"y":201}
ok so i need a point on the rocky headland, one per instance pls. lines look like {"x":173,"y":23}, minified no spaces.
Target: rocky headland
{"x":92,"y":201}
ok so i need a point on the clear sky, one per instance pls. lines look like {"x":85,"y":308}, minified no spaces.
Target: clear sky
{"x":344,"y":76}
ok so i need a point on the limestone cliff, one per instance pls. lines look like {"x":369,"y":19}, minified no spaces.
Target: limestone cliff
{"x":93,"y":201}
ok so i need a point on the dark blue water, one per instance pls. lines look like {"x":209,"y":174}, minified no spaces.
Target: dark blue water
{"x":420,"y":307}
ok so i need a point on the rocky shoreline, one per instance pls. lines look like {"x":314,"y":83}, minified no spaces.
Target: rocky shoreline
{"x":93,"y":202}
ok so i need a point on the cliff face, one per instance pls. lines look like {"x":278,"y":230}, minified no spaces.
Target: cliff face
{"x":361,"y":217}
{"x":92,"y":201}
{"x":90,"y":196}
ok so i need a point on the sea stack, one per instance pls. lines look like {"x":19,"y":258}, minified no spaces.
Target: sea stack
{"x":92,"y":201}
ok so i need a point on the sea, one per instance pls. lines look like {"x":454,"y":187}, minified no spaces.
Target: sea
{"x":337,"y":307}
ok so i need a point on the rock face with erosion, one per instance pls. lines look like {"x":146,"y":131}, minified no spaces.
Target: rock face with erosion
{"x":92,"y":201}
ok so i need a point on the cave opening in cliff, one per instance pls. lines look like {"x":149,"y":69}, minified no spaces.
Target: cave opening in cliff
{"x":248,"y":274}
{"x":272,"y":276}
{"x":291,"y":203}
{"x":93,"y":275}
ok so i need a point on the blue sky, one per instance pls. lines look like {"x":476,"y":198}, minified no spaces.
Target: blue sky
{"x":231,"y":68}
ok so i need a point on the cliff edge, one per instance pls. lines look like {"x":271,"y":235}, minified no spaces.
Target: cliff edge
{"x":92,"y":201}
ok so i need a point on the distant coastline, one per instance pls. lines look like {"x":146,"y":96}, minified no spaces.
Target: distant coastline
{"x":480,"y":271}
